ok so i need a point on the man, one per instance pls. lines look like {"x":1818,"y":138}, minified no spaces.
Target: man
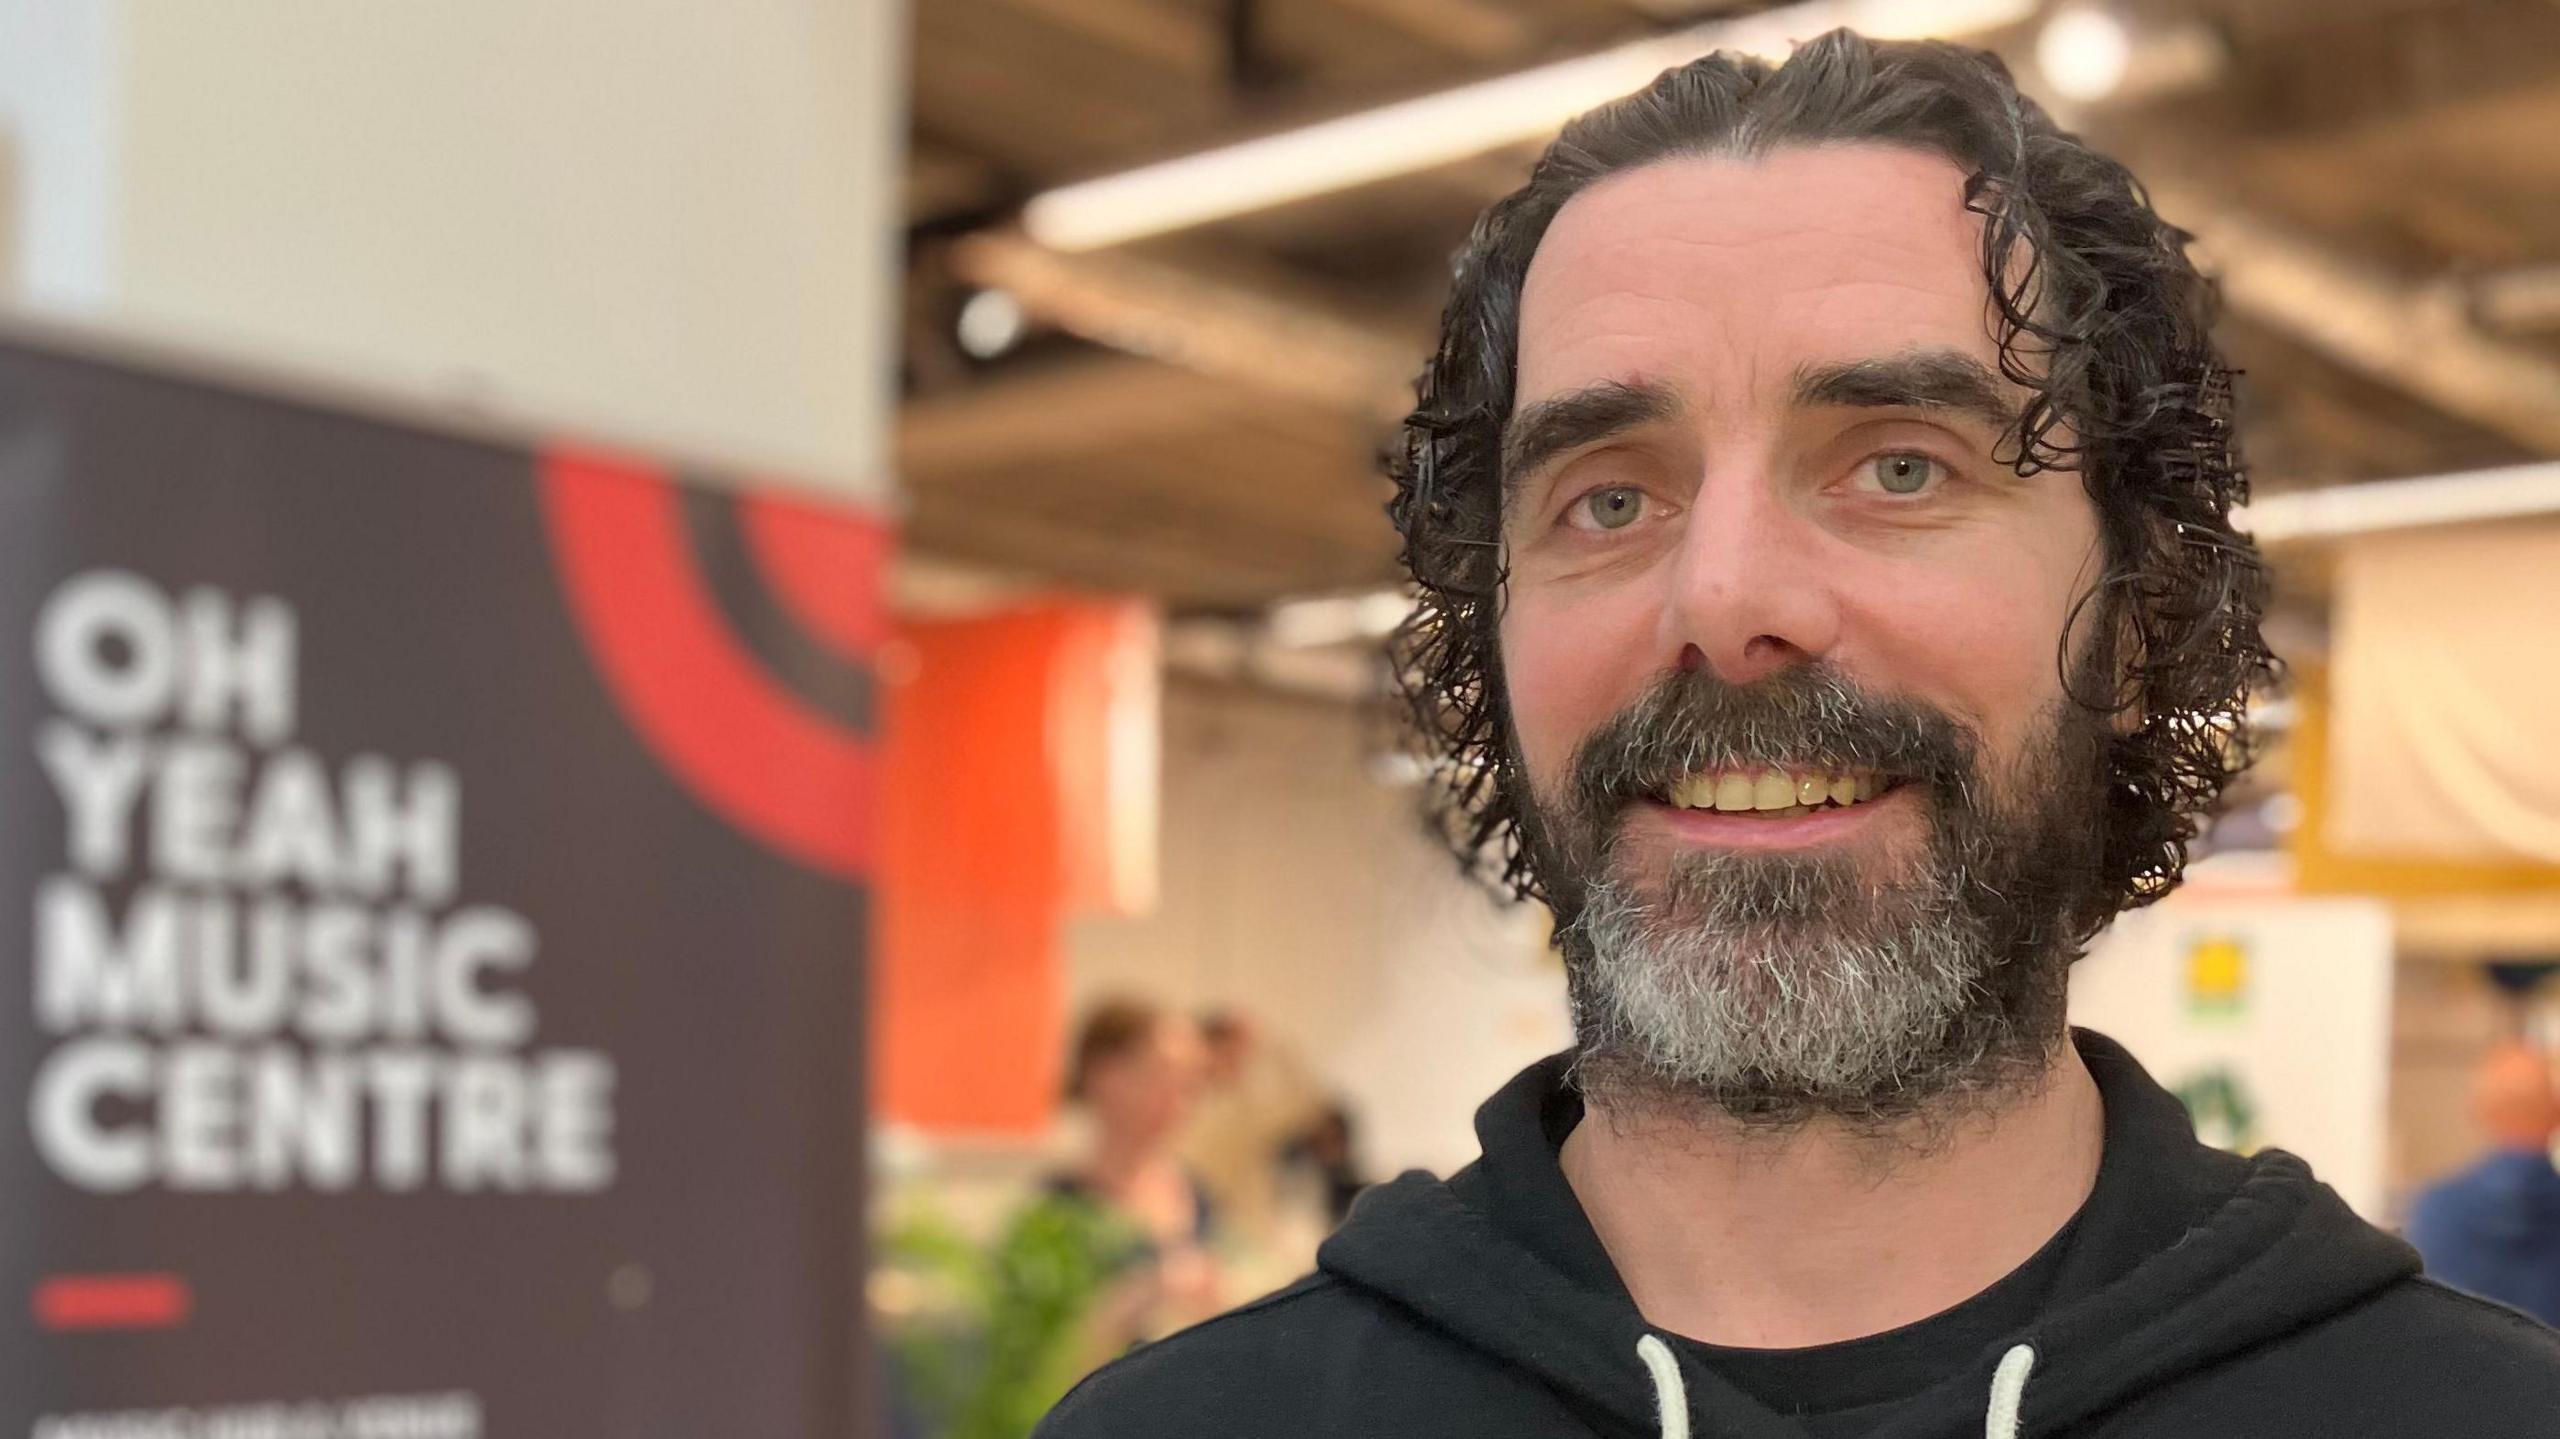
{"x":2494,"y":1229}
{"x":1820,"y":508}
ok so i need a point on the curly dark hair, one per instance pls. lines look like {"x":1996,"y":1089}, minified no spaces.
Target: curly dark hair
{"x":2098,"y":314}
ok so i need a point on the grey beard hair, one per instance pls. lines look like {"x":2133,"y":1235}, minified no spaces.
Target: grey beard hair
{"x":1746,"y":989}
{"x":1776,"y":988}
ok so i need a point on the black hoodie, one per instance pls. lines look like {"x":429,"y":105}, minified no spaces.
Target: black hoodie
{"x":2199,"y":1294}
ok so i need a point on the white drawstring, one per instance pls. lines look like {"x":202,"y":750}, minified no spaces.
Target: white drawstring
{"x":2008,"y":1391}
{"x":1670,"y":1396}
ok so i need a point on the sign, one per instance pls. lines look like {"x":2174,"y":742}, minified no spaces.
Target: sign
{"x":2269,"y":1017}
{"x":433,"y":882}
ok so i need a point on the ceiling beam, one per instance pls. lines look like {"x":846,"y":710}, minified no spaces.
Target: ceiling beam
{"x":1178,"y":38}
{"x":1039,"y":415}
{"x":2420,"y":340}
{"x":1472,"y":28}
{"x":2521,"y":299}
{"x":1249,"y":333}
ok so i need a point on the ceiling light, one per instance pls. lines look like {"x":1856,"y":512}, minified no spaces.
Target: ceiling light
{"x":990,"y":323}
{"x":2471,"y":496}
{"x":1451,"y":125}
{"x":2084,"y":53}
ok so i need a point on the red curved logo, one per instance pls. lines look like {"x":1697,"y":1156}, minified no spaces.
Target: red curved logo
{"x":802,"y":782}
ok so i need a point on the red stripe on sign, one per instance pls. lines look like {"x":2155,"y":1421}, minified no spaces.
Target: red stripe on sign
{"x":726,"y":729}
{"x":826,"y":566}
{"x":113,"y":1301}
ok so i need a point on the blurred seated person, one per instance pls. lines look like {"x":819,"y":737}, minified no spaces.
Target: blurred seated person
{"x":2494,"y":1228}
{"x":1136,"y":1072}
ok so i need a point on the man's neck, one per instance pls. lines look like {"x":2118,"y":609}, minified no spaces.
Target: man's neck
{"x":1827,"y":1233}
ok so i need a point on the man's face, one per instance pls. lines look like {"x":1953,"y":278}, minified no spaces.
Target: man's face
{"x":1753,"y":519}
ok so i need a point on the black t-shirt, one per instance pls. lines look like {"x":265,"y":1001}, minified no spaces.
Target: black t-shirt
{"x":1845,"y":1390}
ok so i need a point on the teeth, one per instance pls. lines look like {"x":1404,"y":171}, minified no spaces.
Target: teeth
{"x":1739,"y":791}
{"x":1773,"y":791}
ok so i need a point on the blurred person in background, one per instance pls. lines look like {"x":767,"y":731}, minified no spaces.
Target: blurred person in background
{"x":1136,"y":1072}
{"x":1110,"y":1251}
{"x":1830,"y":608}
{"x":2494,"y":1229}
{"x":1255,"y":1099}
{"x":1328,"y":1150}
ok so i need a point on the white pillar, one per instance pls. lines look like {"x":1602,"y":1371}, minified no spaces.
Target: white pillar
{"x":657,"y":222}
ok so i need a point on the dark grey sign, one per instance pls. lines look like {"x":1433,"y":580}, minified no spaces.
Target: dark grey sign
{"x":432,"y":879}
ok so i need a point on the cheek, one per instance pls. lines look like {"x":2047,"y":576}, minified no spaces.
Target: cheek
{"x":1981,"y":642}
{"x":1572,"y":657}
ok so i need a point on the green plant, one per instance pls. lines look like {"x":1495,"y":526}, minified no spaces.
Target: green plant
{"x":1000,"y":1336}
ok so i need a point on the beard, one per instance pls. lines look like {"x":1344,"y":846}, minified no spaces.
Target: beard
{"x":1873,"y":987}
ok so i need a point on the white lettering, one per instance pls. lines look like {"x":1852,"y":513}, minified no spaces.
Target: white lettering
{"x":302,"y":1120}
{"x":340,"y":1003}
{"x":418,"y":831}
{"x":405,"y":941}
{"x":477,"y":939}
{"x":99,"y":778}
{"x":484,"y":1120}
{"x":574,"y":1148}
{"x":291,"y":833}
{"x":84,"y":615}
{"x":243,"y":984}
{"x":62,"y":1110}
{"x":195,"y":807}
{"x":401,"y":1080}
{"x":248,"y":667}
{"x":87,"y":978}
{"x":200,"y":1116}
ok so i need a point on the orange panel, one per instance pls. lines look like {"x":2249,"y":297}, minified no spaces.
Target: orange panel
{"x":993,"y":812}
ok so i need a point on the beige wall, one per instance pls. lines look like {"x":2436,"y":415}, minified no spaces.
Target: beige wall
{"x":666,"y":223}
{"x":1300,"y":889}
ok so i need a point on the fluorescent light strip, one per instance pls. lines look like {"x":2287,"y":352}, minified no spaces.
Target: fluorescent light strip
{"x":1436,"y":129}
{"x":2512,"y":492}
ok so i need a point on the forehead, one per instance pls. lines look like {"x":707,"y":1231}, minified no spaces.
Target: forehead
{"x":1738,"y":269}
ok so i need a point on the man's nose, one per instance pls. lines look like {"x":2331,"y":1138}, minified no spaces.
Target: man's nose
{"x":1752,"y":591}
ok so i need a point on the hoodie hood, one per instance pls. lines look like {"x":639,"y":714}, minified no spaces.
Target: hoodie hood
{"x":2182,"y":1256}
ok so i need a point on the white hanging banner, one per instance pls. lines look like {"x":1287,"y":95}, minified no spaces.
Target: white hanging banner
{"x":2441,"y":693}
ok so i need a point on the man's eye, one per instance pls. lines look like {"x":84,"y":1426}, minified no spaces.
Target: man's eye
{"x":1904,"y":474}
{"x":1614,"y":508}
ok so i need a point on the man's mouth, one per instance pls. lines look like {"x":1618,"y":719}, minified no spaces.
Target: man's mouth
{"x":1777,"y":793}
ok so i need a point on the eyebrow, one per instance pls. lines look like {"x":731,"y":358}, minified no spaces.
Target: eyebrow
{"x":1559,"y":423}
{"x":1934,"y":379}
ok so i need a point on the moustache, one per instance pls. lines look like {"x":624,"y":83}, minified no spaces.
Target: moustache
{"x":1805,"y":717}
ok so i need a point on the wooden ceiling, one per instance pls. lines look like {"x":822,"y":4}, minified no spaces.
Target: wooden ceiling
{"x":1198,"y":417}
